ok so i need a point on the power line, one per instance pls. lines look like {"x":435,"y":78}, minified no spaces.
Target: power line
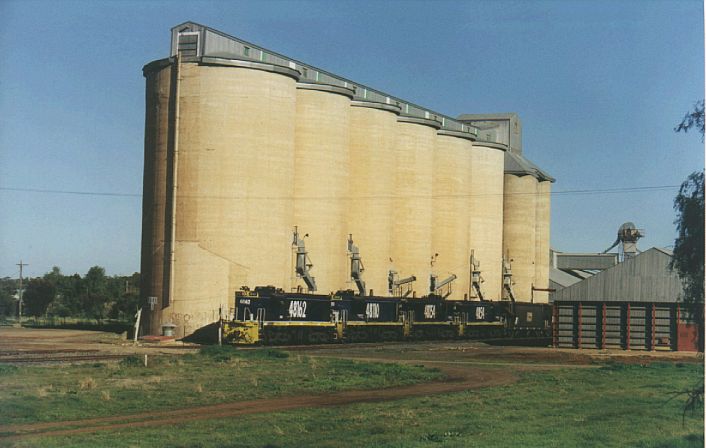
{"x":392,"y":196}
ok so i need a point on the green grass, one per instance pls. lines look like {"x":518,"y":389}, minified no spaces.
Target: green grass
{"x":614,"y":406}
{"x":217,"y":375}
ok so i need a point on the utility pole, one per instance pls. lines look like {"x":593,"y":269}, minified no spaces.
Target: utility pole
{"x":21,"y":265}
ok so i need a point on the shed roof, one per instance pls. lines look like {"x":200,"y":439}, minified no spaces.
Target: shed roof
{"x":643,"y":278}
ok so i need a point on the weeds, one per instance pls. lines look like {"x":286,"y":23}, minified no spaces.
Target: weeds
{"x":7,"y":369}
{"x":87,"y":384}
{"x":130,"y":361}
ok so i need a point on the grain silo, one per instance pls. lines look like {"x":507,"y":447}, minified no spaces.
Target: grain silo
{"x":542,"y":245}
{"x":321,"y":179}
{"x":412,"y":204}
{"x":486,"y":214}
{"x":519,"y":231}
{"x":373,"y":129}
{"x":230,"y":171}
{"x":451,"y":208}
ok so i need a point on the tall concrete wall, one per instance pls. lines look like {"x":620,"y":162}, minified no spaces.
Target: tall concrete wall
{"x":519,"y":231}
{"x":412,"y":207}
{"x":486,"y":214}
{"x":451,"y":210}
{"x":373,"y":129}
{"x":321,"y":180}
{"x":542,"y":244}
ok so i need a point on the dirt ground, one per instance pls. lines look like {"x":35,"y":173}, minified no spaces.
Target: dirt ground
{"x":467,"y":365}
{"x":15,"y":341}
{"x":30,"y":344}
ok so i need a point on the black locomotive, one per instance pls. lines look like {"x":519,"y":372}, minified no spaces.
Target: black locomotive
{"x":272,"y":316}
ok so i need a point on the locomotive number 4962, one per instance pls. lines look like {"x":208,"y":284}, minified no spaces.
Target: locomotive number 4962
{"x":297,"y":309}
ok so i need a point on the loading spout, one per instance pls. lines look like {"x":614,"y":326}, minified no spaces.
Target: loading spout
{"x":436,"y":287}
{"x":476,"y":279}
{"x":303,"y":263}
{"x":357,"y":267}
{"x":399,"y":287}
{"x":509,"y":294}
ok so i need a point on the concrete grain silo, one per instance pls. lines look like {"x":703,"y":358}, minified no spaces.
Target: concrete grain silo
{"x":519,"y":231}
{"x":451,"y":208}
{"x":321,"y":179}
{"x":542,"y":246}
{"x":242,"y":144}
{"x":373,"y":129}
{"x":229,"y":183}
{"x":486,"y":214}
{"x":157,"y":98}
{"x":412,"y":204}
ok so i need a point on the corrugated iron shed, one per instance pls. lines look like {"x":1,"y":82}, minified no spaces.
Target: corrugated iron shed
{"x":644,"y":278}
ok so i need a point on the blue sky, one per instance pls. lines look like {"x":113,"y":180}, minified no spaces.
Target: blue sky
{"x":599,"y":85}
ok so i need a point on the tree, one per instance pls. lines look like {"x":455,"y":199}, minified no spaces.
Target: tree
{"x":94,"y":297}
{"x":37,"y":296}
{"x":688,"y":259}
{"x":8,"y":304}
{"x":693,"y":119}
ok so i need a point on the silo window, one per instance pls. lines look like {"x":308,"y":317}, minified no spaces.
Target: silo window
{"x":246,"y":51}
{"x":305,"y":72}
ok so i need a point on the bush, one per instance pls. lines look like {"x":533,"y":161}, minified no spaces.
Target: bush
{"x":131,"y":361}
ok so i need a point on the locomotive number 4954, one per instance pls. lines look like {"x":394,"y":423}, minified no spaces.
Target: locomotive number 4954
{"x":429,"y":311}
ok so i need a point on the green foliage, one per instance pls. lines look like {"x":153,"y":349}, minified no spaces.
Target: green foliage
{"x":688,"y":260}
{"x":38,"y":294}
{"x":7,"y":369}
{"x":693,"y":119}
{"x":225,"y":353}
{"x":95,"y":295}
{"x":8,"y":305}
{"x":131,"y":361}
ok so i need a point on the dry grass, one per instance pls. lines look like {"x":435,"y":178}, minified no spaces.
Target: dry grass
{"x":87,"y":384}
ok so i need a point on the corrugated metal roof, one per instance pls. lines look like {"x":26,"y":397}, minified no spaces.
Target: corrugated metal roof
{"x":221,"y":45}
{"x":520,"y":166}
{"x":561,"y":278}
{"x":644,"y":278}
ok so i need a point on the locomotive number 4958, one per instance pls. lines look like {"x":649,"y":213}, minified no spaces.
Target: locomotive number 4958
{"x":297,"y":309}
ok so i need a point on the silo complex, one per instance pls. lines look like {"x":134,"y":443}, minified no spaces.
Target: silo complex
{"x":372,"y":158}
{"x":543,"y":215}
{"x":412,"y":202}
{"x":519,"y":231}
{"x":451,"y":186}
{"x":486,"y":214}
{"x":243,"y":144}
{"x":321,"y":179}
